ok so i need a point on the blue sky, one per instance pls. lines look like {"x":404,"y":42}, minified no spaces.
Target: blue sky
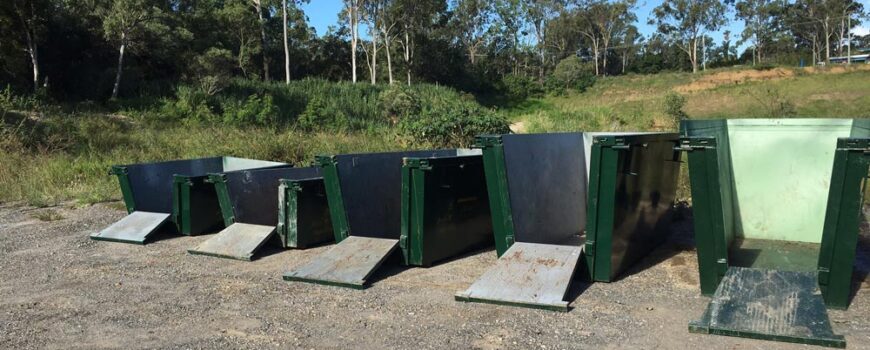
{"x":324,"y":13}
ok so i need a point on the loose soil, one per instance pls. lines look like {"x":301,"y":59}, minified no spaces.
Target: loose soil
{"x":59,"y":289}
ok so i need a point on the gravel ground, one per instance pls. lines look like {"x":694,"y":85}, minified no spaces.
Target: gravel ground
{"x":59,"y":289}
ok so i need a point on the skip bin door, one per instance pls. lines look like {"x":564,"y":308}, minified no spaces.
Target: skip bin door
{"x":347,"y":264}
{"x":529,"y":275}
{"x":238,"y":241}
{"x":133,"y":228}
{"x":771,"y":305}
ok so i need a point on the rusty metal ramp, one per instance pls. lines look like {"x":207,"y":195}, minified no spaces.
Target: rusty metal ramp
{"x":238,"y":241}
{"x":347,"y":264}
{"x":133,"y":228}
{"x":528,"y":274}
{"x":784,"y":306}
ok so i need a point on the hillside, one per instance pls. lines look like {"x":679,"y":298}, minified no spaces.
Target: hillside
{"x":636,"y":102}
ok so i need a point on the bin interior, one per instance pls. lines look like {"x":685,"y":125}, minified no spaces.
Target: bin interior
{"x":253,"y":194}
{"x":775,"y":176}
{"x":371,"y":186}
{"x":151,"y":183}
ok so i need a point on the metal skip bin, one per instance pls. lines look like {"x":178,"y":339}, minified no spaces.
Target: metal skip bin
{"x":252,"y":202}
{"x":777,"y":206}
{"x":547,"y":216}
{"x":365,"y":202}
{"x":155,"y":193}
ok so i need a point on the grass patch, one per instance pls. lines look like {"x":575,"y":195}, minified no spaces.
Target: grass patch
{"x":47,"y":215}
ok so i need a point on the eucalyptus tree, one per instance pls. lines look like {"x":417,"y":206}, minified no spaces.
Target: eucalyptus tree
{"x":685,"y":22}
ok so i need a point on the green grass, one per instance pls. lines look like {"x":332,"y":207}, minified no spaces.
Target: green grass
{"x":636,"y":102}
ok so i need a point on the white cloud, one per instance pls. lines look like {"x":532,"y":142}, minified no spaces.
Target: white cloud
{"x":860,"y":31}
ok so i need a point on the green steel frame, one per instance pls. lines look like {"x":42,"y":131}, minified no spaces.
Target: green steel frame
{"x":329,"y":168}
{"x":842,"y":220}
{"x":220,"y":187}
{"x":499,"y":194}
{"x":708,"y":210}
{"x":413,"y":209}
{"x":126,"y":189}
{"x":298,"y":226}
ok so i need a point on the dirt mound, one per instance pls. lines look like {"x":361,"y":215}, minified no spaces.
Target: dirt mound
{"x":733,"y":77}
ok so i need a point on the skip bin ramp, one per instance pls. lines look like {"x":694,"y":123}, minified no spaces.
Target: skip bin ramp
{"x":528,"y":274}
{"x":347,"y":264}
{"x":769,"y":305}
{"x":134,"y":228}
{"x":249,"y":202}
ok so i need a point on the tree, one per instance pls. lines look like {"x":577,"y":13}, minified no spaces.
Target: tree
{"x":684,"y":22}
{"x":352,"y":15}
{"x":415,"y":17}
{"x":471,"y":20}
{"x":125,"y":21}
{"x":599,"y":21}
{"x":539,"y":13}
{"x":628,"y":45}
{"x":372,"y":12}
{"x":761,"y":21}
{"x":258,"y":5}
{"x":28,"y":17}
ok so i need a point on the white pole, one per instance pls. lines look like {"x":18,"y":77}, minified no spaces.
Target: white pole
{"x":849,"y":43}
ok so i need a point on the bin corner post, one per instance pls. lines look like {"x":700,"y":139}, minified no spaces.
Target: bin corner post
{"x":181,"y":203}
{"x":498,"y":191}
{"x":288,"y":213}
{"x":223,"y":195}
{"x":843,"y":220}
{"x":600,"y":204}
{"x":329,"y":166}
{"x":126,"y":188}
{"x":707,"y":211}
{"x":413,"y":210}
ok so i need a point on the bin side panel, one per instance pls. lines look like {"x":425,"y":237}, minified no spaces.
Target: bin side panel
{"x":151,"y":183}
{"x":645,"y":192}
{"x":253,"y":193}
{"x":371,"y":190}
{"x":456,"y":210}
{"x":795,"y":168}
{"x":718,"y":129}
{"x":236,"y":164}
{"x":860,"y":128}
{"x":842,"y":222}
{"x":547,"y":185}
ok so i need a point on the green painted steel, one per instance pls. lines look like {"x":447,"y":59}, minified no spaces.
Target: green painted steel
{"x":842,"y":220}
{"x":710,"y":192}
{"x":220,"y":186}
{"x":337,"y":214}
{"x":126,"y":189}
{"x":445,"y":209}
{"x":631,"y":194}
{"x":303,"y":213}
{"x":497,"y":188}
{"x":196,"y":207}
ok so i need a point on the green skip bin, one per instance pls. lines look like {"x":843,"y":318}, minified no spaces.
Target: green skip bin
{"x":177,"y":190}
{"x":556,"y":198}
{"x":777,"y":206}
{"x":254,"y":201}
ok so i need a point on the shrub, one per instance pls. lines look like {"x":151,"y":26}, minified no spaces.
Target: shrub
{"x":519,"y":87}
{"x":256,"y":110}
{"x":453,"y":124}
{"x":320,"y":115}
{"x":398,"y":102}
{"x":571,"y":73}
{"x":674,"y":104}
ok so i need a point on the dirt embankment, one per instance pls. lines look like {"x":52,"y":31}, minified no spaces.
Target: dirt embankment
{"x":711,"y":81}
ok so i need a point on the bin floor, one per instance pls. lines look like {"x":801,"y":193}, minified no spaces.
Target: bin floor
{"x":237,"y":241}
{"x":777,"y":255}
{"x":527,"y":274}
{"x":347,"y":264}
{"x":771,"y":305}
{"x":133,"y":228}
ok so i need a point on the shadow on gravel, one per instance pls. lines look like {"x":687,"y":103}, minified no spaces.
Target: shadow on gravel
{"x":681,"y":239}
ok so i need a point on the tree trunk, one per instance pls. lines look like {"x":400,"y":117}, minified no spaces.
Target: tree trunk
{"x":120,"y":66}
{"x":408,"y":55}
{"x":354,"y":37}
{"x":827,"y":41}
{"x":373,"y":68}
{"x":263,"y":40}
{"x":33,"y":50}
{"x":693,"y":55}
{"x":286,"y":45}
{"x":387,"y":47}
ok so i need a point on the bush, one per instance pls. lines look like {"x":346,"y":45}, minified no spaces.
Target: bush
{"x":674,"y":104}
{"x":571,"y":73}
{"x":320,"y":115}
{"x":453,"y":124}
{"x":399,"y":102}
{"x":256,"y":110}
{"x":519,"y":87}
